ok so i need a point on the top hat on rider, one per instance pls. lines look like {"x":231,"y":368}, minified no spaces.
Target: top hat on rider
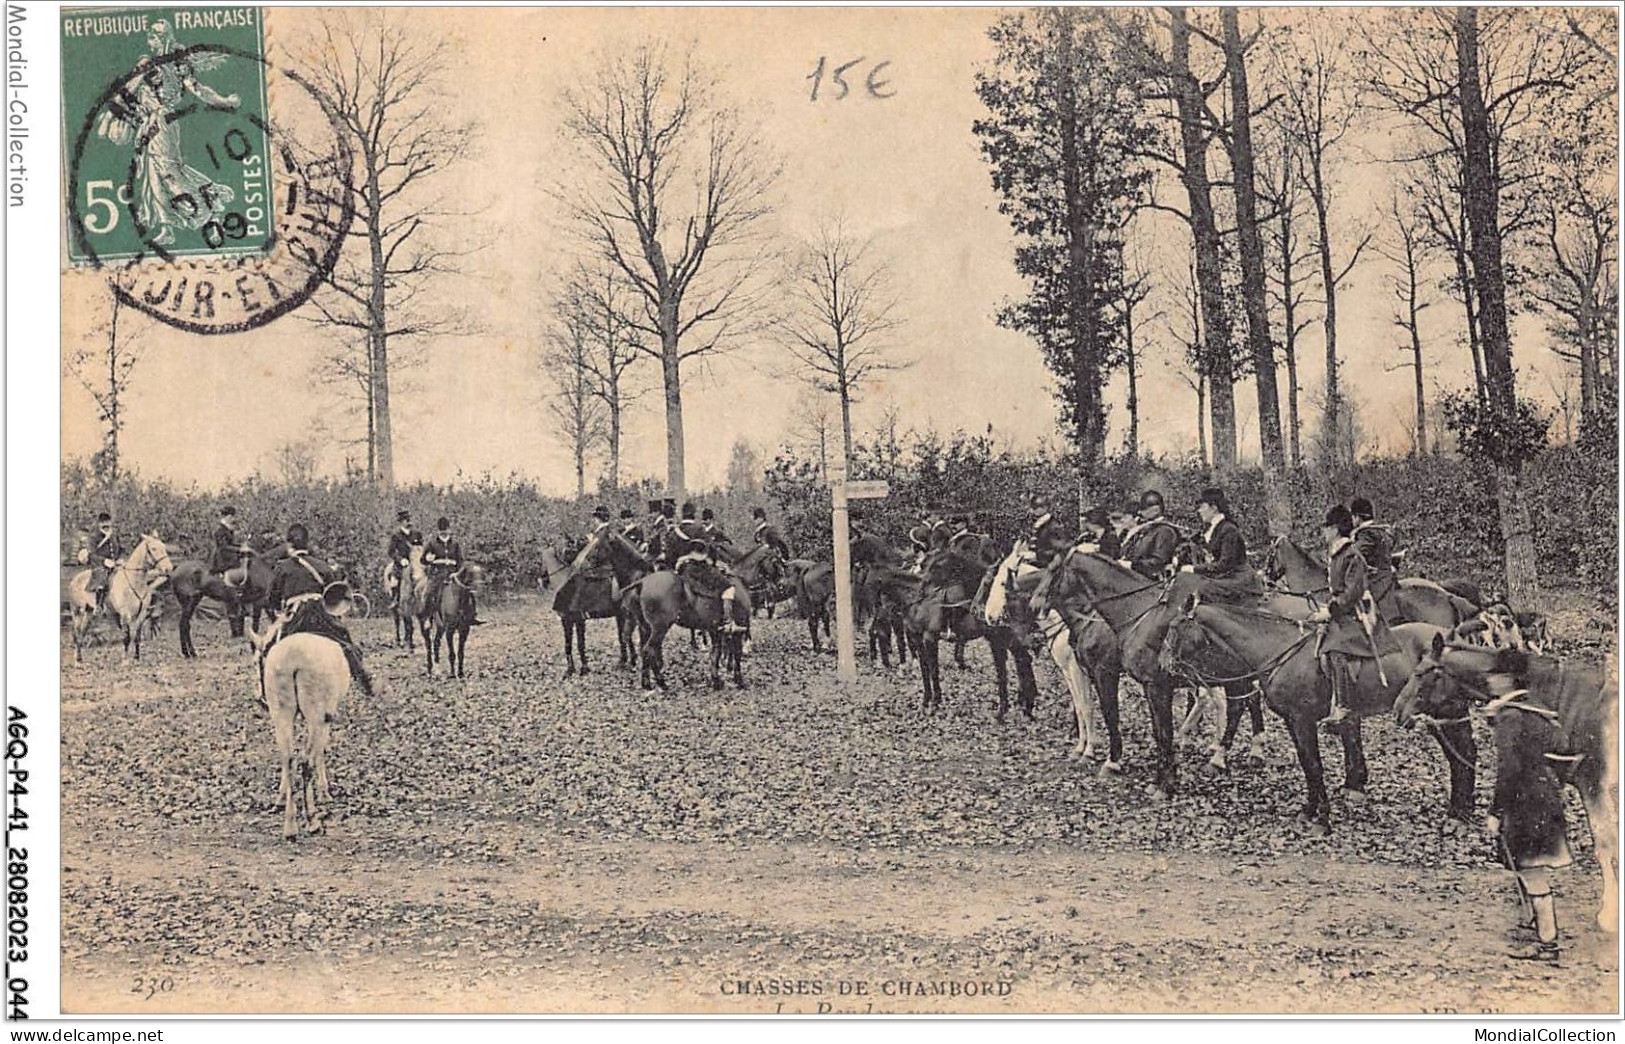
{"x":403,"y":517}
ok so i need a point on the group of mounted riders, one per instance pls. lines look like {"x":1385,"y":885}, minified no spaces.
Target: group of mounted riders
{"x":695,"y":548}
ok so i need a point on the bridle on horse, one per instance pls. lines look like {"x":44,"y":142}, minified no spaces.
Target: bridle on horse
{"x":1260,"y":675}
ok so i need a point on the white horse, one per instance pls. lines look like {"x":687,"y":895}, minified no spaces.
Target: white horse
{"x":1058,"y":638}
{"x":129,"y":594}
{"x":302,"y":676}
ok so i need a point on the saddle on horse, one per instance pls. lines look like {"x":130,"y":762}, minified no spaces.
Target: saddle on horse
{"x":307,"y":614}
{"x":706,"y":580}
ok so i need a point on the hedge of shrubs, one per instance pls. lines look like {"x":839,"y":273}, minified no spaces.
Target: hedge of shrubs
{"x":1443,"y":507}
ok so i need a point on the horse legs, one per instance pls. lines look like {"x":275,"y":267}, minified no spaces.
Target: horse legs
{"x":462,"y":648}
{"x":315,"y":772}
{"x":812,"y":629}
{"x":1355,"y":773}
{"x":581,"y":642}
{"x":1106,"y":681}
{"x":1306,"y":741}
{"x":429,"y":651}
{"x":1077,"y":684}
{"x":566,"y":624}
{"x":1461,"y":757}
{"x":282,"y":718}
{"x":1597,"y":790}
{"x":716,"y":658}
{"x":1001,"y":672}
{"x":1161,"y":697}
{"x":654,"y":658}
{"x":1026,"y":682}
{"x":1255,"y":710}
{"x":188,"y":607}
{"x":959,"y":653}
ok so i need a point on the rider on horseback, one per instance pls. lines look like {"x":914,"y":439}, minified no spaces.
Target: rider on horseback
{"x":230,"y":551}
{"x":298,"y":586}
{"x":707,"y":548}
{"x":1376,"y":545}
{"x":1225,"y":576}
{"x":1099,"y":536}
{"x":632,"y":530}
{"x":1047,"y":538}
{"x":767,"y":533}
{"x":401,"y":540}
{"x":103,"y":557}
{"x":442,"y":557}
{"x":1352,"y":630}
{"x":1149,"y":547}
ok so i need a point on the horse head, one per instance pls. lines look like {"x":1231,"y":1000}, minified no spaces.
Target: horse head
{"x":149,"y":556}
{"x":1184,"y":639}
{"x":1451,"y":673}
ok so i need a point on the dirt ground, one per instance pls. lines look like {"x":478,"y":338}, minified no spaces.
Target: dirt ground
{"x":520,"y":842}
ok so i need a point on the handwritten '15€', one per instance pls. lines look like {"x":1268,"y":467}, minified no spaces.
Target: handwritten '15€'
{"x":874,"y":83}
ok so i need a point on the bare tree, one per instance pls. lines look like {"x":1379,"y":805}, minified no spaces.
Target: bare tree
{"x":1136,"y":290}
{"x":384,"y":84}
{"x":1187,"y":365}
{"x":601,"y":298}
{"x":647,"y":129}
{"x":1188,"y":94}
{"x":1281,"y":187}
{"x":105,"y":370}
{"x":813,"y":428}
{"x":1410,"y":300}
{"x":1322,"y":103}
{"x":574,"y":405}
{"x":842,"y":311}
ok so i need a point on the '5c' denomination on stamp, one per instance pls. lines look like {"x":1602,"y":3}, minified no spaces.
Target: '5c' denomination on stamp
{"x":165,"y":119}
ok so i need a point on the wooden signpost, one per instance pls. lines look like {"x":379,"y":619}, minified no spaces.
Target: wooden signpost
{"x":841,"y":491}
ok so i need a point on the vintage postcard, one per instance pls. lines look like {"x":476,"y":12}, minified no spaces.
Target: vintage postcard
{"x":797,"y":511}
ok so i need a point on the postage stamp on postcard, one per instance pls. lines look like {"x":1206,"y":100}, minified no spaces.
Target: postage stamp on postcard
{"x":165,"y":126}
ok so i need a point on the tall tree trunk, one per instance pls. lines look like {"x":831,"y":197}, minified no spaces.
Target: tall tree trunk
{"x":846,"y":424}
{"x":1133,"y":446}
{"x":1081,"y":313}
{"x":1330,"y":421}
{"x":1464,"y":276}
{"x":1489,"y":279}
{"x":1217,"y":364}
{"x":1254,"y":290}
{"x":1289,"y":337}
{"x":669,"y":364}
{"x":614,"y":438}
{"x":378,"y":330}
{"x":1413,"y":327}
{"x":1590,"y":375}
{"x":1201,"y":417}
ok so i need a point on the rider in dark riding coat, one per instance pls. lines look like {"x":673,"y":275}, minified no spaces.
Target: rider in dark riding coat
{"x":103,"y":557}
{"x":230,"y":550}
{"x":1046,"y":537}
{"x":1149,"y":547}
{"x":1376,"y":545}
{"x":1353,"y":629}
{"x":632,"y":530}
{"x":297,"y":585}
{"x":1098,"y":534}
{"x":442,"y":557}
{"x":401,"y":541}
{"x":1225,"y":575}
{"x":766,"y":533}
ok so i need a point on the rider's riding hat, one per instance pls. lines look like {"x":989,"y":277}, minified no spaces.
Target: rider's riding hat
{"x":228,"y":512}
{"x":103,"y":517}
{"x":403,"y":516}
{"x":1360,"y":507}
{"x":1213,"y":497}
{"x":443,"y":524}
{"x":758,"y":512}
{"x":601,"y":513}
{"x":626,"y":512}
{"x":708,"y":515}
{"x":1338,"y":518}
{"x":1149,"y":498}
{"x":299,"y":537}
{"x":688,"y":509}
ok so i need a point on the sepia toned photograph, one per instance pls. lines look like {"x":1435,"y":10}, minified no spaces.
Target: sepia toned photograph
{"x":838,"y":511}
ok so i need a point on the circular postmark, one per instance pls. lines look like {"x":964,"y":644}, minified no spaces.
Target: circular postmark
{"x":227,"y":229}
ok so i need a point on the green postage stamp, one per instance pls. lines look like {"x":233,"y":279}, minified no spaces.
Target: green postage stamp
{"x":165,"y":128}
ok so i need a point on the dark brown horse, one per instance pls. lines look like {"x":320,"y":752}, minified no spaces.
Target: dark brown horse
{"x":942,"y":601}
{"x":815,"y":588}
{"x":453,"y":617}
{"x":192,"y":582}
{"x":584,"y":594}
{"x":665,"y":600}
{"x":1555,"y":725}
{"x":1238,"y":647}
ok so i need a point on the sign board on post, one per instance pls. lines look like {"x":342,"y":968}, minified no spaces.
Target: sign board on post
{"x":841,"y":491}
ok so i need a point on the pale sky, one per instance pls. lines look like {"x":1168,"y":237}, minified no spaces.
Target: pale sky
{"x":907,"y":169}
